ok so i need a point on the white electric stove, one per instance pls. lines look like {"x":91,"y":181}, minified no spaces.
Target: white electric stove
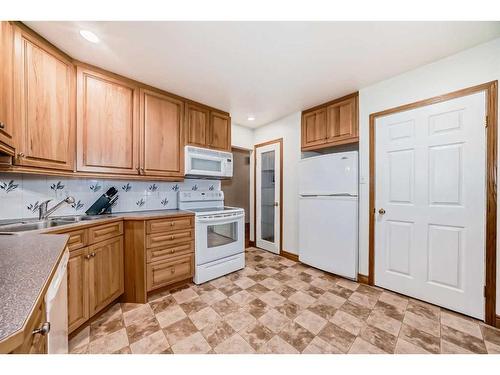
{"x":219,"y":231}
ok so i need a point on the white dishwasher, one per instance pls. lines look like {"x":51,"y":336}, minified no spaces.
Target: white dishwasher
{"x":56,"y":304}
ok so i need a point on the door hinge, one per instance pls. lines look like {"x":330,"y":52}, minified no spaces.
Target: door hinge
{"x":484,"y":291}
{"x":486,"y":121}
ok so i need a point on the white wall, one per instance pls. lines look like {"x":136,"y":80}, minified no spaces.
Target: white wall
{"x":242,"y":137}
{"x":468,"y":68}
{"x":287,"y":128}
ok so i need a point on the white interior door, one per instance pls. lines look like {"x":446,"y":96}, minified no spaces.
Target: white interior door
{"x":267,"y":194}
{"x":431,"y":183}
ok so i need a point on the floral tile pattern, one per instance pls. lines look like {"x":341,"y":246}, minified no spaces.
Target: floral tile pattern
{"x":20,"y":195}
{"x":276,"y":306}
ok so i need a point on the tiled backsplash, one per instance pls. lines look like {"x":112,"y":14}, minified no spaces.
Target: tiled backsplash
{"x":21,"y":194}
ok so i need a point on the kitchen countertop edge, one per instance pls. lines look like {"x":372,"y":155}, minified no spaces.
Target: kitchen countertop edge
{"x":12,"y":340}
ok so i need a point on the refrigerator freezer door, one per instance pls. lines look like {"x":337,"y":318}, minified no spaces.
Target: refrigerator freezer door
{"x":329,"y":174}
{"x":328,"y":237}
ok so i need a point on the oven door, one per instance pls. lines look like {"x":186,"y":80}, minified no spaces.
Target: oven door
{"x":219,"y":236}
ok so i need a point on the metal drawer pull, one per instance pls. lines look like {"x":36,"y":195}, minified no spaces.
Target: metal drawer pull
{"x":88,"y":256}
{"x":43,"y":330}
{"x":172,"y":251}
{"x":172,"y":270}
{"x":172,"y":237}
{"x":2,"y":125}
{"x":93,"y":254}
{"x":172,"y":223}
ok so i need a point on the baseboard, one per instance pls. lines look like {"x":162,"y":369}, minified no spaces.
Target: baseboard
{"x":251,"y":243}
{"x":362,"y":279}
{"x":291,"y":256}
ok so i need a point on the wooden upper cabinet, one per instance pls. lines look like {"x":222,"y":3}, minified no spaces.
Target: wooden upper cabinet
{"x":198,"y":122}
{"x":220,"y":131}
{"x":44,"y":106}
{"x":314,"y":128}
{"x":105,"y":273}
{"x":6,"y":88}
{"x":341,"y":121}
{"x":162,"y":135}
{"x":207,"y":128}
{"x":107,"y":123}
{"x":334,"y":123}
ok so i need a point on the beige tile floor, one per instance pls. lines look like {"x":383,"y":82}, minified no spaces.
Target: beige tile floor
{"x":275,"y":305}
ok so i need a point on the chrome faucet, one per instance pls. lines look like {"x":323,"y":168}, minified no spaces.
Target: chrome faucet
{"x":43,"y":212}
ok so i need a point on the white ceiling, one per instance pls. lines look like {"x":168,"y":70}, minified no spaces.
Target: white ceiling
{"x":264,"y":69}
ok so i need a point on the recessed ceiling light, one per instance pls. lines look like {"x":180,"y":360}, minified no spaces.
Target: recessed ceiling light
{"x":89,"y":35}
{"x":251,"y":118}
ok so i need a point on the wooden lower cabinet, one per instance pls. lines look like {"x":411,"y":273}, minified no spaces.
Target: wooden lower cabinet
{"x":35,"y":340}
{"x":105,"y":273}
{"x":169,"y":271}
{"x":78,"y":295}
{"x":95,"y":273}
{"x":158,"y":253}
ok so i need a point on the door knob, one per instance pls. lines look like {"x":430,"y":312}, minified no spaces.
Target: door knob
{"x":381,"y":211}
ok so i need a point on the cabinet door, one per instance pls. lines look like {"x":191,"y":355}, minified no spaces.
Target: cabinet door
{"x":220,"y":131}
{"x":78,"y":291}
{"x":197,"y":119}
{"x":6,"y":87}
{"x":162,"y":138}
{"x":44,"y":85}
{"x":342,"y":121}
{"x":105,"y":273}
{"x":314,"y":128}
{"x":107,"y":124}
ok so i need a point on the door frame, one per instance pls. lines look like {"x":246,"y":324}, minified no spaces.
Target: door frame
{"x":491,"y":91}
{"x":255,"y":147}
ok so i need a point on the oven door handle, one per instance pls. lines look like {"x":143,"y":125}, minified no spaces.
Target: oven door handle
{"x":220,"y":218}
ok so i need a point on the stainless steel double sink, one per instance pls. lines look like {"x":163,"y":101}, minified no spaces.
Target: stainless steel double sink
{"x":30,"y":225}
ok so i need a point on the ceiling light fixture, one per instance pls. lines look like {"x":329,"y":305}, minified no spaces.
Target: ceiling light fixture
{"x":89,"y":35}
{"x":251,"y":118}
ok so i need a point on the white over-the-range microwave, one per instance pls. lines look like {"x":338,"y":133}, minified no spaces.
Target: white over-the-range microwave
{"x":206,"y":163}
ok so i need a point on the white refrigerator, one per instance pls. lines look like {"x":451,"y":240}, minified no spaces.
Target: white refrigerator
{"x":328,"y":213}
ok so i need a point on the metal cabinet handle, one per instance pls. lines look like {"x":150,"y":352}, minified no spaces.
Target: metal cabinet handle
{"x":138,"y":170}
{"x":92,"y":254}
{"x":20,"y":155}
{"x":172,"y":223}
{"x":172,"y":251}
{"x":172,"y":270}
{"x":142,"y":171}
{"x":172,"y":237}
{"x":43,"y":330}
{"x":381,"y":211}
{"x":2,"y":125}
{"x":88,"y":256}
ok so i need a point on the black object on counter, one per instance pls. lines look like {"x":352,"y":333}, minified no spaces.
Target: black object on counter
{"x":104,"y":203}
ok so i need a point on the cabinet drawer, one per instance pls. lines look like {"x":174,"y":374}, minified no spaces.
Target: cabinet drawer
{"x":77,"y":239}
{"x":104,"y":232}
{"x":170,"y":271}
{"x":169,"y":239}
{"x":169,"y":225}
{"x":164,"y":253}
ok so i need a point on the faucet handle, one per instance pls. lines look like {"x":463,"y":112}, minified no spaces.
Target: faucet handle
{"x":42,"y":209}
